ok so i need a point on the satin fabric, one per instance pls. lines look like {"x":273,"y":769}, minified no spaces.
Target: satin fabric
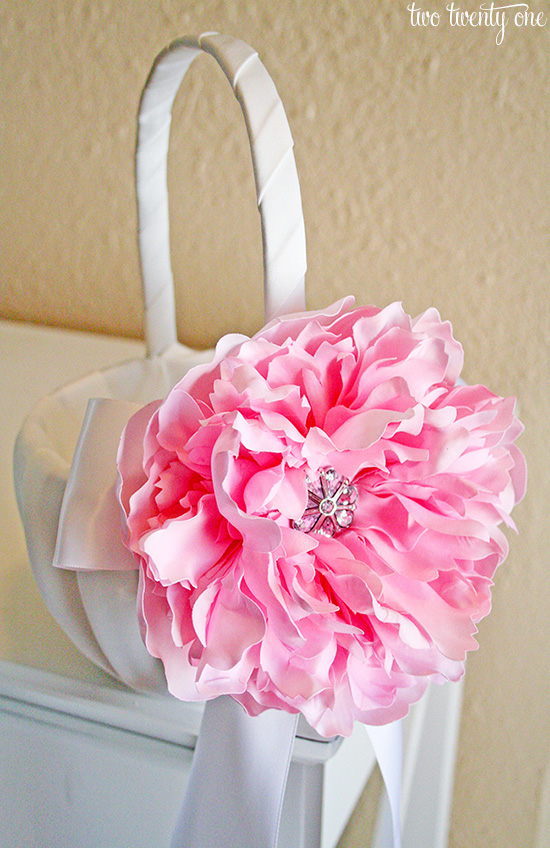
{"x":238,"y":777}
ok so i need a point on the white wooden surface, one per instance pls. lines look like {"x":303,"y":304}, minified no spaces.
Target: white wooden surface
{"x":84,"y":762}
{"x":100,"y":767}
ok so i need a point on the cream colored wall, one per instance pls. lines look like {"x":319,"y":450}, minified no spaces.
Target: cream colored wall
{"x":423,"y":159}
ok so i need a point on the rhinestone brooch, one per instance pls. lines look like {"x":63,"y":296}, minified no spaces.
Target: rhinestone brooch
{"x":330,"y":505}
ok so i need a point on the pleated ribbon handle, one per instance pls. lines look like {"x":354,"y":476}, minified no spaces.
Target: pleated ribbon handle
{"x":277,"y":187}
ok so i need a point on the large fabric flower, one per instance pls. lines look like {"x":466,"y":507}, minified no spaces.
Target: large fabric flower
{"x":316,"y":515}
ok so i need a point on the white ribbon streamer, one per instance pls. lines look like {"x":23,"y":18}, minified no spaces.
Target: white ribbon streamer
{"x":387,"y":744}
{"x":238,"y":778}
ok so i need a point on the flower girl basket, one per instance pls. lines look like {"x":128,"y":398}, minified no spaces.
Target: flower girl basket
{"x":70,"y":502}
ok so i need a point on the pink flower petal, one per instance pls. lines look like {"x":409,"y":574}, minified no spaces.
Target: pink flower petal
{"x":184,"y":548}
{"x":260,"y":534}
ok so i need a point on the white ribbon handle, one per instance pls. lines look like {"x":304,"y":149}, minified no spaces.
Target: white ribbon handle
{"x":277,"y":187}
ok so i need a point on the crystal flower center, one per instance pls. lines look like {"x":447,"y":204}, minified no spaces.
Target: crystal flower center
{"x":330,"y":506}
{"x":327,"y":506}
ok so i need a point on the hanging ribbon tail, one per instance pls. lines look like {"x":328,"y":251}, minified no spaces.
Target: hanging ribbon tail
{"x":238,"y":778}
{"x":387,"y":743}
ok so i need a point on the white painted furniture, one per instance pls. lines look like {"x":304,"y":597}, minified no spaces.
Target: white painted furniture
{"x":543,"y":813}
{"x":86,"y":763}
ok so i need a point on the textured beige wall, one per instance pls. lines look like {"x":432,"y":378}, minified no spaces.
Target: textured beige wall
{"x":423,"y":158}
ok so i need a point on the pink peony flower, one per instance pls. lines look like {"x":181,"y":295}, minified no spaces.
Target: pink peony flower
{"x":316,"y":515}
